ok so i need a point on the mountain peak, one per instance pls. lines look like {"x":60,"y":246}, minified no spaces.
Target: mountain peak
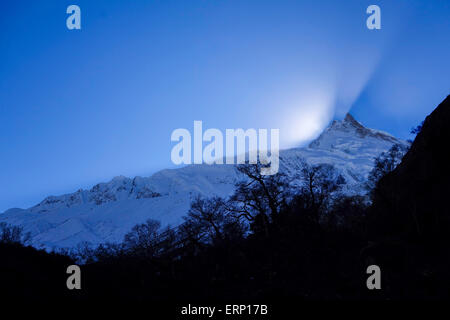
{"x":349,"y":130}
{"x":119,"y":178}
{"x":349,"y":122}
{"x":349,"y":119}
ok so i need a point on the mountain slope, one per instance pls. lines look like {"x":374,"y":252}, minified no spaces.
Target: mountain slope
{"x":109,"y":210}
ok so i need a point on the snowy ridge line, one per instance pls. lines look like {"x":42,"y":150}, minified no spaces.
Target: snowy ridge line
{"x":107,"y":211}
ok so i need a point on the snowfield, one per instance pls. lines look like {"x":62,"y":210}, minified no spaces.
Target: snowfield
{"x":109,"y":210}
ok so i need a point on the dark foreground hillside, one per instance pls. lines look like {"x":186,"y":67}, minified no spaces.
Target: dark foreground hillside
{"x":30,"y":274}
{"x":312,"y":247}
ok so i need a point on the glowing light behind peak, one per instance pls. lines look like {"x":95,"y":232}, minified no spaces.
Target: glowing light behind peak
{"x":327,"y":93}
{"x":306,"y":117}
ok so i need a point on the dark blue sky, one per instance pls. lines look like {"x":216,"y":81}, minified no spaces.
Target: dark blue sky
{"x":79,"y":107}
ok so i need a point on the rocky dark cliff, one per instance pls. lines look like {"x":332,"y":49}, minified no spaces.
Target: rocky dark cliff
{"x":413,"y":200}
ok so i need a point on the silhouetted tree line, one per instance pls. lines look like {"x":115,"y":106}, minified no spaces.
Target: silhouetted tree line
{"x":291,"y":235}
{"x":260,"y":207}
{"x":26,"y":273}
{"x":294,"y":235}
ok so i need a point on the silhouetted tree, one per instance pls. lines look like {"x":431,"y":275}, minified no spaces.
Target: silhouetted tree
{"x":385,"y":163}
{"x":348,"y":213}
{"x":84,"y":252}
{"x":316,"y":185}
{"x":192,"y":237}
{"x":417,"y":129}
{"x":108,"y":251}
{"x":13,"y":234}
{"x":258,"y":198}
{"x":168,"y":239}
{"x":213,"y":221}
{"x":143,"y":239}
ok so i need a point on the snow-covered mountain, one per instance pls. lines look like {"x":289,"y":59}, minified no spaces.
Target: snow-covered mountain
{"x":109,"y":210}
